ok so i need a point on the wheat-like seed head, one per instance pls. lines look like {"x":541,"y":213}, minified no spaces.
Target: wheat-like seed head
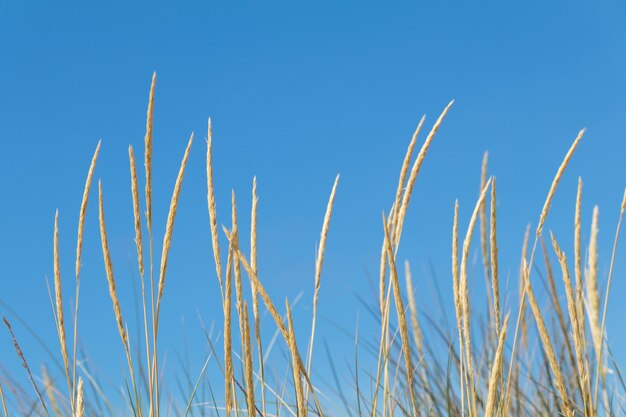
{"x":136,"y":210}
{"x":580,"y":305}
{"x":557,"y":304}
{"x":171,"y":215}
{"x":234,"y":237}
{"x":455,"y":268}
{"x":247,"y":355}
{"x":212,"y":207}
{"x":582,"y":373}
{"x":555,"y":182}
{"x":406,"y":163}
{"x":593,"y":296}
{"x":108,"y":265}
{"x":297,"y":379}
{"x":58,"y":292}
{"x":83,"y":208}
{"x":464,"y":294}
{"x":228,"y":349}
{"x":323,"y":237}
{"x":413,"y":175}
{"x":484,"y":248}
{"x":255,"y":294}
{"x":318,"y":267}
{"x":253,"y":219}
{"x":494,"y":257}
{"x":522,"y":288}
{"x":148,"y":153}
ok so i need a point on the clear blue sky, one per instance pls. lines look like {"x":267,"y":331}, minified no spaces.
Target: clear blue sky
{"x":297,"y":92}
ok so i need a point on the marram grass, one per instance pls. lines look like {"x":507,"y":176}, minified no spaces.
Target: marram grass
{"x":504,"y":369}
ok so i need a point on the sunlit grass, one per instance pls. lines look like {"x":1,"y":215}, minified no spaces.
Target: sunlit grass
{"x":508,"y":370}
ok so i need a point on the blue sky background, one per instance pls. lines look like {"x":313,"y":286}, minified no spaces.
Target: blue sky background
{"x":298,"y":92}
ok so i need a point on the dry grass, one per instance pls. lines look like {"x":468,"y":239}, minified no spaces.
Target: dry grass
{"x":421,"y":369}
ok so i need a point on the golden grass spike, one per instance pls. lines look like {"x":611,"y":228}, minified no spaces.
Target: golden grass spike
{"x":493,"y":258}
{"x":148,"y":153}
{"x":404,"y":332}
{"x":212,"y":207}
{"x":417,"y":332}
{"x":555,"y":182}
{"x":403,"y":172}
{"x":83,"y":208}
{"x":136,"y":209}
{"x":591,"y":278}
{"x":253,"y":219}
{"x":297,"y":379}
{"x":234,"y":242}
{"x":139,"y":245}
{"x":382,"y":274}
{"x":247,"y":362}
{"x":169,"y":228}
{"x":464,"y":294}
{"x":58,"y":292}
{"x":565,"y":406}
{"x":80,"y":407}
{"x":496,"y":369}
{"x":383,"y":262}
{"x":557,"y":304}
{"x":582,"y":373}
{"x":20,"y":354}
{"x":108,"y":265}
{"x":228,"y":349}
{"x":413,"y":175}
{"x":458,"y":309}
{"x":580,"y":304}
{"x":523,"y":323}
{"x":318,"y":268}
{"x":79,"y":248}
{"x":255,"y":294}
{"x":484,"y":246}
{"x":455,"y":267}
{"x":234,"y":238}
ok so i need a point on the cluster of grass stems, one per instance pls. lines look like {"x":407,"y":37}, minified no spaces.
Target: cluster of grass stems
{"x":566,"y":370}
